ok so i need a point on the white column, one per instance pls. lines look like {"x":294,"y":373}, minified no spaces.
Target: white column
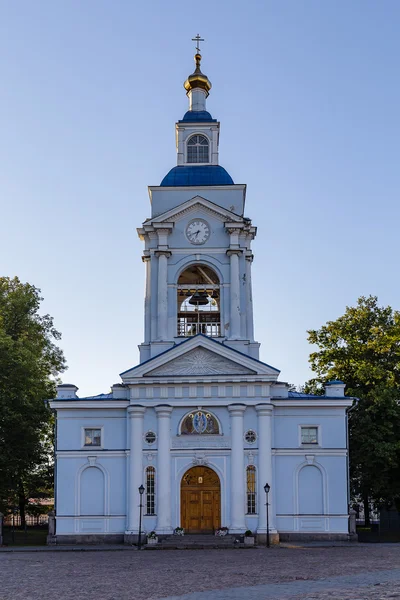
{"x":235,"y":295}
{"x":163,"y":473}
{"x":249,"y":300}
{"x":237,"y":524}
{"x":136,"y":414}
{"x":264,"y":473}
{"x":162,"y":295}
{"x":147,"y":307}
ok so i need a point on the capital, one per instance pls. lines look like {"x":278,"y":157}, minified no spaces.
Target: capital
{"x":236,"y":410}
{"x":136,"y":412}
{"x":166,"y":253}
{"x":164,"y":230}
{"x":232,"y":251}
{"x":163,"y":411}
{"x":264,"y":410}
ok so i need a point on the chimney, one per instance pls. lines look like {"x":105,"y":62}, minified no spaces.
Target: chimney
{"x":335,"y":388}
{"x":67,"y":391}
{"x":120,"y":392}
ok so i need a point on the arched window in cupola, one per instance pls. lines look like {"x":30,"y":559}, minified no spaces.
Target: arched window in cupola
{"x":198,"y":301}
{"x":198,"y":149}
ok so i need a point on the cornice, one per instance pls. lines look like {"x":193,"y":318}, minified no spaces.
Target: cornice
{"x":189,"y":205}
{"x":73,"y":404}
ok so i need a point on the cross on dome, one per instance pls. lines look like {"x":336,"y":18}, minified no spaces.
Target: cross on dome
{"x":197,"y":79}
{"x":198,"y":39}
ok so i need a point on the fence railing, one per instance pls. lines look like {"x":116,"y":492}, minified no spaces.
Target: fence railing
{"x":209,"y":328}
{"x":30,"y":520}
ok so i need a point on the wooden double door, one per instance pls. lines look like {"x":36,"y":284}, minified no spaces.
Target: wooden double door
{"x":200,"y":500}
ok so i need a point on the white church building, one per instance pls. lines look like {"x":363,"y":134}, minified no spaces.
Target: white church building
{"x":201,"y":422}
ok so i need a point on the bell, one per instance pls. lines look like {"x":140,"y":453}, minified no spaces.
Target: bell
{"x":199,"y":298}
{"x":215,"y":294}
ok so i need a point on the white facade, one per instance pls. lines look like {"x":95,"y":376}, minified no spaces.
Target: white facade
{"x":201,"y":423}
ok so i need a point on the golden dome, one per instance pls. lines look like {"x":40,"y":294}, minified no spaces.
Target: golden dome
{"x":197,"y":79}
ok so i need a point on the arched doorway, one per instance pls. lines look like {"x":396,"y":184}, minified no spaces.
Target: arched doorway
{"x":200,"y":500}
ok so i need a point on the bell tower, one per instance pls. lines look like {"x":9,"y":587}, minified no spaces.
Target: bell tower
{"x":197,"y":241}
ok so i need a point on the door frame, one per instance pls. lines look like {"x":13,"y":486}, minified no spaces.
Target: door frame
{"x":198,"y":488}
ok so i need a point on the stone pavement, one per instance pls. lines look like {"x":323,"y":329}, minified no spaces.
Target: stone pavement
{"x":377,"y":586}
{"x":291,"y":573}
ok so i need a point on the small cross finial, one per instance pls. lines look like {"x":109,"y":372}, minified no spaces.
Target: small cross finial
{"x":197,"y":39}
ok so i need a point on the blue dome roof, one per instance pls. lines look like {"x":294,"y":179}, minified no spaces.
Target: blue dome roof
{"x":190,"y":175}
{"x":197,"y":115}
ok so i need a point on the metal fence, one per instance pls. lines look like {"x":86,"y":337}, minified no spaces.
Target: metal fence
{"x":14,"y":520}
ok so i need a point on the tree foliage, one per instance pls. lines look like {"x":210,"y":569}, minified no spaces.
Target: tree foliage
{"x":362,"y":348}
{"x":30,"y":362}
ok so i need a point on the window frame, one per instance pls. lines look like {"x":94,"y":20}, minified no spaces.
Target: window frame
{"x":309,"y":444}
{"x":208,"y":162}
{"x":153,"y":493}
{"x":83,"y":437}
{"x":155,"y":437}
{"x":248,"y":431}
{"x":253,"y":469}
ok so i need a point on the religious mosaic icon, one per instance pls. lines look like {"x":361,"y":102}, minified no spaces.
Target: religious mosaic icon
{"x":200,"y":422}
{"x":198,"y":231}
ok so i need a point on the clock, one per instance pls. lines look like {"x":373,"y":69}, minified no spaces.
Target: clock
{"x":198,"y":231}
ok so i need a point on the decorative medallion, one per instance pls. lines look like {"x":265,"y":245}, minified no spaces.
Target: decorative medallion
{"x":150,"y":437}
{"x":250,"y":436}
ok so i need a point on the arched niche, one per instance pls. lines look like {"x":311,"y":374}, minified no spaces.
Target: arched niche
{"x":198,"y":302}
{"x":310,"y":491}
{"x":92,"y":496}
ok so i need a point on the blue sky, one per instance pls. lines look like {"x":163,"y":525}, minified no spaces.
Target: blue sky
{"x":308,"y":96}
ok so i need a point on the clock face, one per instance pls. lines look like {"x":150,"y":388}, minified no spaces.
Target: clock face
{"x":198,"y":231}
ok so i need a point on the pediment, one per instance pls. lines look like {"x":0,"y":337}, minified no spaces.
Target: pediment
{"x":197,"y":357}
{"x":193,"y":205}
{"x":200,"y":361}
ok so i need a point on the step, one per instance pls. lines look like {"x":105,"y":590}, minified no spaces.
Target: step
{"x":196,"y":546}
{"x":203,"y":537}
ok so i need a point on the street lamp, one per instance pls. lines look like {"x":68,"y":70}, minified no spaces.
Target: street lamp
{"x":267,"y":488}
{"x":141,"y":492}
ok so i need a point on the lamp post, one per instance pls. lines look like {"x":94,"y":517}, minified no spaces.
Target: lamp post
{"x":141,"y":492}
{"x":267,"y":488}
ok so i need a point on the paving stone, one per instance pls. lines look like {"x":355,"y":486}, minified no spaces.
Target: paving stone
{"x":296,"y":573}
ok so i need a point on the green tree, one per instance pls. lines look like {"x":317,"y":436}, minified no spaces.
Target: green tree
{"x":362,"y":348}
{"x":30,"y":362}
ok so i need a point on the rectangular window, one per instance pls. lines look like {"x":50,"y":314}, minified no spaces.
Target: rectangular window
{"x":309,"y":435}
{"x":150,"y":491}
{"x":251,"y":490}
{"x":92,"y":437}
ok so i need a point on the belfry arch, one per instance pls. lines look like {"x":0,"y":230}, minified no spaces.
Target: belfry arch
{"x":198,"y":302}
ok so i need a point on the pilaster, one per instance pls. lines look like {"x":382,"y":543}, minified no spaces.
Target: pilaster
{"x":162,"y":294}
{"x":234,"y":328}
{"x":136,"y":415}
{"x":264,"y":415}
{"x":163,"y":473}
{"x":237,"y":524}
